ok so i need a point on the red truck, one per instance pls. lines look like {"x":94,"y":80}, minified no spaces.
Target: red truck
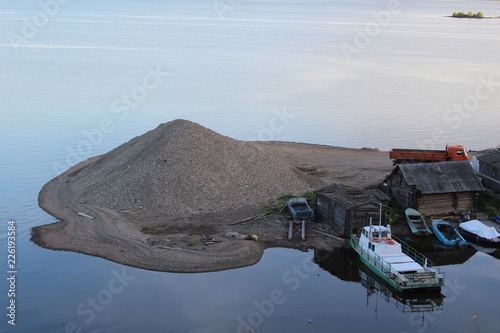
{"x":452,"y":153}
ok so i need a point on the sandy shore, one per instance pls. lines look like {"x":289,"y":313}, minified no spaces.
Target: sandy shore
{"x":199,"y":243}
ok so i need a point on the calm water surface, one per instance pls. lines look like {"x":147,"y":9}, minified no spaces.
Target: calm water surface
{"x":80,"y":78}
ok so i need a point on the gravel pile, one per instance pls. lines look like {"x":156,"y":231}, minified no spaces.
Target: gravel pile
{"x":184,"y":168}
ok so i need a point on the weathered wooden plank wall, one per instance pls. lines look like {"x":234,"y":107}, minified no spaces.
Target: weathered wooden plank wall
{"x":443,"y":203}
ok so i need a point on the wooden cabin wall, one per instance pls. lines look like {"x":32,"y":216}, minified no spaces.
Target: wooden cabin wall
{"x":404,"y":197}
{"x":327,"y":210}
{"x":343,"y":220}
{"x":400,"y":190}
{"x":491,"y":185}
{"x":493,"y":172}
{"x":434,"y":204}
{"x":443,"y":203}
{"x":360,"y":217}
{"x":465,"y":200}
{"x":322,"y":208}
{"x":332,"y":213}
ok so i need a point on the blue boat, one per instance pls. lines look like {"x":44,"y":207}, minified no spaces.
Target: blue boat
{"x":447,"y":234}
{"x":299,"y":209}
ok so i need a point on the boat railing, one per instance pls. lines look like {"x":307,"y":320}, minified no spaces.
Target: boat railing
{"x":408,"y":279}
{"x":373,"y":258}
{"x":423,"y":261}
{"x":414,"y":254}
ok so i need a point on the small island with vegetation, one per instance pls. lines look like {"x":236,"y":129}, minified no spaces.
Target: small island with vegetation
{"x":470,"y":14}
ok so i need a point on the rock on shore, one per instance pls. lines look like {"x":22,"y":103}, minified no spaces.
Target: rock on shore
{"x":184,"y":168}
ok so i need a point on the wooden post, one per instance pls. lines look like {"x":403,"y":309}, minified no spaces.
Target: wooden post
{"x":303,"y":230}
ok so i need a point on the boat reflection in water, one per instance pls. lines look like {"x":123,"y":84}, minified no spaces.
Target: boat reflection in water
{"x":417,"y":301}
{"x":346,"y":265}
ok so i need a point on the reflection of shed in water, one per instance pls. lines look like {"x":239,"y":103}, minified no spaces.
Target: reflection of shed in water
{"x":345,"y":207}
{"x":338,"y":264}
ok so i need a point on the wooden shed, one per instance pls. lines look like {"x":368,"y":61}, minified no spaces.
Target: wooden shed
{"x":435,"y":188}
{"x":489,"y":170}
{"x":345,"y":207}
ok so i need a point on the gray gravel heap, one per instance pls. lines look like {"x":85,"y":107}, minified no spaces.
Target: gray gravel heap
{"x":184,"y":168}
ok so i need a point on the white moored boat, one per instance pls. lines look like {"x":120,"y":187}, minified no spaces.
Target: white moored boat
{"x":395,"y":261}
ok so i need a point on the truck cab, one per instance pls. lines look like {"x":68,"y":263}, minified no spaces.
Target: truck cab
{"x":456,"y":153}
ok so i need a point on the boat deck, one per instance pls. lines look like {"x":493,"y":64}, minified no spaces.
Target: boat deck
{"x":402,"y":263}
{"x":405,"y":272}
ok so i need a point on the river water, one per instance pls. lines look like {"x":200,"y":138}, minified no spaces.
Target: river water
{"x":80,"y":78}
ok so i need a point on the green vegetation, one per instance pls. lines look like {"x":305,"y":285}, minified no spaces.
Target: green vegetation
{"x":396,"y":215}
{"x":154,"y":231}
{"x":488,"y":204}
{"x":470,"y":14}
{"x":281,"y":201}
{"x":311,"y":199}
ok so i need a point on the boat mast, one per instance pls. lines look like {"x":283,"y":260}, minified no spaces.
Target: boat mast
{"x":370,"y":233}
{"x":380,"y":215}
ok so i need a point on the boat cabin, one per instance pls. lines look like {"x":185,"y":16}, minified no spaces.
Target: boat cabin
{"x":395,"y":262}
{"x":377,"y":232}
{"x":378,"y":241}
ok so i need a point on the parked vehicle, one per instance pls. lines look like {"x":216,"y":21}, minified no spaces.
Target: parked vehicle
{"x":481,"y":233}
{"x":451,"y":153}
{"x":448,"y":234}
{"x":395,"y":262}
{"x":417,"y":223}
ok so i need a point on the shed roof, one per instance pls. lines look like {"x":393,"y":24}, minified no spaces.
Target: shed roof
{"x":491,"y":158}
{"x":349,"y":197}
{"x":442,"y":177}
